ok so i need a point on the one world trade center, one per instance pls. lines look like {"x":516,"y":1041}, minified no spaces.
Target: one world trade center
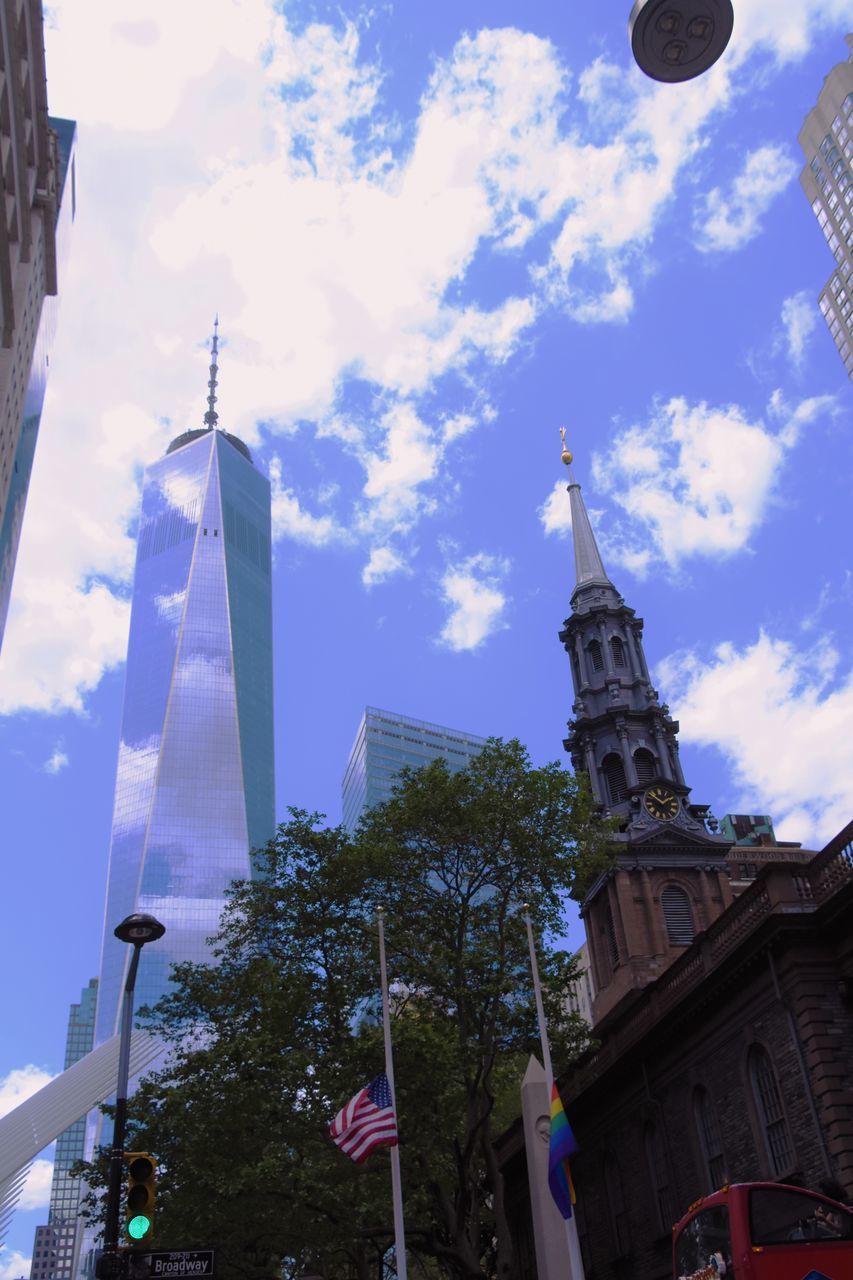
{"x":195,"y":787}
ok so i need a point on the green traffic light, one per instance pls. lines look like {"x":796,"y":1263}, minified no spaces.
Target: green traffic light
{"x":139,"y":1227}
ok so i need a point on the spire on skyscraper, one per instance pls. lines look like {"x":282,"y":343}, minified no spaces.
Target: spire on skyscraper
{"x":212,"y":417}
{"x":589,"y":566}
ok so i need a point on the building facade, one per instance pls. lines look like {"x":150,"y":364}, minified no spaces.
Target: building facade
{"x":195,"y":783}
{"x":39,"y":185}
{"x":54,"y":1244}
{"x":386,"y":743}
{"x":827,"y":180}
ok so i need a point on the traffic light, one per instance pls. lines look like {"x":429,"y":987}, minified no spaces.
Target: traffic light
{"x":141,"y":1193}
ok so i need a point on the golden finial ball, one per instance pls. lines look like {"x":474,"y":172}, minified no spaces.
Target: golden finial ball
{"x":566,"y":458}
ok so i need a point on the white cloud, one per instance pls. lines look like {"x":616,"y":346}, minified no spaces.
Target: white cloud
{"x":290,"y":520}
{"x":799,"y":321}
{"x":267,"y":178}
{"x":556,"y":511}
{"x":384,"y":562}
{"x":13,"y":1263}
{"x":409,"y":459}
{"x":781,"y":716}
{"x":696,"y":480}
{"x":36,"y":1190}
{"x":472,"y":589}
{"x":57,"y":761}
{"x":21,"y":1083}
{"x":729,"y":219}
{"x":69,"y":613}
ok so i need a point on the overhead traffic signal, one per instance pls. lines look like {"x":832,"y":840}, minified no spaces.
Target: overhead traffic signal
{"x":141,"y":1194}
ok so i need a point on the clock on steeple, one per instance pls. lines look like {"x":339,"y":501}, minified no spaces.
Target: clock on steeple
{"x":661,"y":803}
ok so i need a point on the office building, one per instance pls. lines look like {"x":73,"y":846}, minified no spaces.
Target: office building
{"x":195,"y":786}
{"x":55,"y":1243}
{"x":827,"y":142}
{"x":39,"y":186}
{"x":386,"y":743}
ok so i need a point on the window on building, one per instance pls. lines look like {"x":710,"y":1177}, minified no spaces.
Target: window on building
{"x":616,"y":1205}
{"x":659,"y":1179}
{"x":645,"y":764}
{"x":614,"y":775}
{"x":595,"y":656}
{"x":709,"y":1138}
{"x":677,"y":916}
{"x":771,"y":1116}
{"x":617,"y":651}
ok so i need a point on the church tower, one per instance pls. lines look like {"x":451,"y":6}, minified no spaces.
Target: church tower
{"x":669,"y":879}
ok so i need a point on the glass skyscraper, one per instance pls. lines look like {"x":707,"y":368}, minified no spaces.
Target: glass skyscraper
{"x":194,"y":789}
{"x":54,"y":1245}
{"x":384,"y":744}
{"x":31,"y":332}
{"x":827,"y":180}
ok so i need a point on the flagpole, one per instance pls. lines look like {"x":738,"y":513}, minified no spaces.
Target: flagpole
{"x":396,"y":1181}
{"x":575,"y":1260}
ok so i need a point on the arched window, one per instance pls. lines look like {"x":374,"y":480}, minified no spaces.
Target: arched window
{"x":595,"y":656}
{"x":771,"y":1116}
{"x":617,"y":651}
{"x":710,"y":1141}
{"x":645,"y":764}
{"x":614,"y":775}
{"x":616,"y":1205}
{"x":659,"y":1178}
{"x":677,"y":916}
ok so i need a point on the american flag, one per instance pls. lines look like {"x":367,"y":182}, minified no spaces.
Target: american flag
{"x":367,"y":1121}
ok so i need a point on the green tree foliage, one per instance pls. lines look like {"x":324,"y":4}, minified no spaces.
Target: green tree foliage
{"x":270,"y":1041}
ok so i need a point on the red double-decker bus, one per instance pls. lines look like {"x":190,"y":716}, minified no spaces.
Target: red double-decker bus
{"x":764,"y":1231}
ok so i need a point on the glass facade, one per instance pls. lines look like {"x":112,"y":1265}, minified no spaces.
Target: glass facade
{"x":386,"y":743}
{"x":54,"y":1245}
{"x":12,"y":516}
{"x":194,"y":788}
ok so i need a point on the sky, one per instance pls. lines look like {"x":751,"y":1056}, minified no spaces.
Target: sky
{"x":433,"y":235}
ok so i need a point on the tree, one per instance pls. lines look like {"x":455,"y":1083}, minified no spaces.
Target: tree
{"x":268,"y":1042}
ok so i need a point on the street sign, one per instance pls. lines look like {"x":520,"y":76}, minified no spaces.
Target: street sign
{"x":177,"y":1265}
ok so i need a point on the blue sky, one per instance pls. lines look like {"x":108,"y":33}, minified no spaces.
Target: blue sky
{"x":434,"y":234}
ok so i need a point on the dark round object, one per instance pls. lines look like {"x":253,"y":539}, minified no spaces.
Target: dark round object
{"x":674,"y":40}
{"x":139,"y":929}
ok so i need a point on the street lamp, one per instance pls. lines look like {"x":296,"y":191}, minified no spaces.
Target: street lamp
{"x":136,"y":930}
{"x":675,"y":40}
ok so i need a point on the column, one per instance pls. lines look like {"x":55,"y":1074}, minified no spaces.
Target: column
{"x":609,"y":669}
{"x":627,"y":758}
{"x":592,"y":770}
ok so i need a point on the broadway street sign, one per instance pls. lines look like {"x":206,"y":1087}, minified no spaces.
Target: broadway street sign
{"x":169,"y":1266}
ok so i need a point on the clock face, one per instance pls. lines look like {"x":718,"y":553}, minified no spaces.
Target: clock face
{"x":661,"y":803}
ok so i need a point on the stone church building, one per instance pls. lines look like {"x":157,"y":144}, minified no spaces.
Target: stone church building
{"x":723,"y":976}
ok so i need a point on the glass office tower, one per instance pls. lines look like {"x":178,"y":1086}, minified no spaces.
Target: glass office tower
{"x":194,"y":788}
{"x":384,"y":744}
{"x":54,"y":1244}
{"x":26,"y":361}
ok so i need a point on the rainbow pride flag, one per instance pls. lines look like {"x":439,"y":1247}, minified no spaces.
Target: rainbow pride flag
{"x":561,"y":1146}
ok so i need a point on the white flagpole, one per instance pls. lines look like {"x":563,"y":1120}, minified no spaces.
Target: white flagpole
{"x":575,"y":1260}
{"x":396,"y":1181}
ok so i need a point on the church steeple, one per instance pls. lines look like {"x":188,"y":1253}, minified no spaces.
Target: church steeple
{"x":621,"y":736}
{"x":589,"y":567}
{"x":668,"y":878}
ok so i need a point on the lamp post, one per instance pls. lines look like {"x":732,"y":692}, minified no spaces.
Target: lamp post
{"x":136,"y":930}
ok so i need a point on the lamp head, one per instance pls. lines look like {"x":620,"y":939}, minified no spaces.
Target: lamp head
{"x":139,"y":928}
